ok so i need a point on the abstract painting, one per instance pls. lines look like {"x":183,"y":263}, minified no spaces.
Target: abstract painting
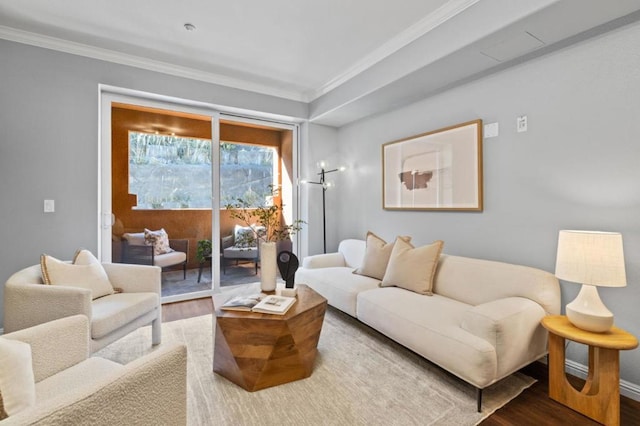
{"x":437,"y":170}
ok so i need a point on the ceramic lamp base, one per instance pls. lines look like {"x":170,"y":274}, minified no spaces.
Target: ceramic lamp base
{"x":588,"y":312}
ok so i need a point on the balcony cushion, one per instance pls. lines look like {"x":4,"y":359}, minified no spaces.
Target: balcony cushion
{"x":241,"y":253}
{"x":169,"y":259}
{"x":116,"y":310}
{"x":159,"y":240}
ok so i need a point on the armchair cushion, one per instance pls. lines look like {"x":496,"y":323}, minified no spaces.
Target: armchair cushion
{"x":83,"y":273}
{"x":114,"y":311}
{"x":17,"y":383}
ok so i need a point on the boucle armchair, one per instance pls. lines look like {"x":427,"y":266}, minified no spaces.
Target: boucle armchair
{"x":28,"y":302}
{"x":72,"y":388}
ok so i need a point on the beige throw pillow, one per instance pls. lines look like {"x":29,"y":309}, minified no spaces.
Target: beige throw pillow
{"x":17,"y":381}
{"x":376,"y":256}
{"x":413,"y":268}
{"x":86,"y":272}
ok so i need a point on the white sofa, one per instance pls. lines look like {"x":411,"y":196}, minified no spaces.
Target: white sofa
{"x":72,"y":388}
{"x":482,"y":322}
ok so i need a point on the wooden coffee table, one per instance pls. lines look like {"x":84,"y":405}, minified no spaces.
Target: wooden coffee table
{"x":257,"y":351}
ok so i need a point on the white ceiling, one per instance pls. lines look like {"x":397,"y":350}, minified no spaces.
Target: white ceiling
{"x":343,"y":57}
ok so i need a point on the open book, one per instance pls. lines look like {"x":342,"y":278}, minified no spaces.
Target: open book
{"x":274,"y":305}
{"x":242,"y":303}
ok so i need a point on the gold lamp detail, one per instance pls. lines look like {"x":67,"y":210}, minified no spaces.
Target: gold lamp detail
{"x":593,"y":259}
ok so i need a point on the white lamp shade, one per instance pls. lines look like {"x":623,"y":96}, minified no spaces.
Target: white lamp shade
{"x":590,"y":257}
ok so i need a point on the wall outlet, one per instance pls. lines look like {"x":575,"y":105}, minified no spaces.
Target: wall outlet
{"x":521,"y":123}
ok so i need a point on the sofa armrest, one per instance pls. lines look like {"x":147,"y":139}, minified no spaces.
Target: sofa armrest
{"x":26,"y":305}
{"x":134,"y":278}
{"x":149,"y":390}
{"x":512,"y":326}
{"x":55,"y":345}
{"x":328,"y":260}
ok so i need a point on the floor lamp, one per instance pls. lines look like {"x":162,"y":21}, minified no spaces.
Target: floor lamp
{"x":325,"y":185}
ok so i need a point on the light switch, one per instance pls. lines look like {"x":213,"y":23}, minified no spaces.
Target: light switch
{"x":49,"y":206}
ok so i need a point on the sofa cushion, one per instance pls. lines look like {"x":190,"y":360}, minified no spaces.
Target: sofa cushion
{"x":460,"y":277}
{"x":412,"y":268}
{"x":376,"y":256}
{"x":17,"y":382}
{"x":88,"y":274}
{"x":430,"y":326}
{"x":116,"y":310}
{"x":339,"y":285}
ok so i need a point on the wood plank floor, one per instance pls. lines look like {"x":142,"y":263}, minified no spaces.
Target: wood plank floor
{"x":531,"y":407}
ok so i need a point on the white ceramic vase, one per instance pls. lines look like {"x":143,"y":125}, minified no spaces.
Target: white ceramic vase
{"x":268,"y":266}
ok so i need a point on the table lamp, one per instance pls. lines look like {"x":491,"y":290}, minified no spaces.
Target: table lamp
{"x":593,"y":259}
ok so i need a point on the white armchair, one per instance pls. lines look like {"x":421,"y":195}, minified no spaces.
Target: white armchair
{"x":74,"y":389}
{"x":28,"y":302}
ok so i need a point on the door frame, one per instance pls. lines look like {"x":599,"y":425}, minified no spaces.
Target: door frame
{"x":107,"y":95}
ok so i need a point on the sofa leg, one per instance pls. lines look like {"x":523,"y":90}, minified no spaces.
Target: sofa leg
{"x":156,"y":330}
{"x":479,"y":399}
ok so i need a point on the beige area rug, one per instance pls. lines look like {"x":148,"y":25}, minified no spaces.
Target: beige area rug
{"x":360,"y":378}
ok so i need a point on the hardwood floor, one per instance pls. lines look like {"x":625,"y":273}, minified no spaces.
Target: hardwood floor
{"x":531,"y":407}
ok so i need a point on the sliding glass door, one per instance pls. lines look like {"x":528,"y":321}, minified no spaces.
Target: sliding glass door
{"x":168,"y":170}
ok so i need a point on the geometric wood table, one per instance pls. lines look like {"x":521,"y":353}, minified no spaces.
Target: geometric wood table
{"x":257,"y":351}
{"x":599,"y":399}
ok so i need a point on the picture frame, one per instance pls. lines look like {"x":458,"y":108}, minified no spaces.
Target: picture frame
{"x":439,"y":170}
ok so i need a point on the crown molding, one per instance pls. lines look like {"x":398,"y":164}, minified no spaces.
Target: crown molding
{"x":417,"y":30}
{"x":80,"y":49}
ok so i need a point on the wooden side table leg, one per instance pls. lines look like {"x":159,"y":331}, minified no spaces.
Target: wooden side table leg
{"x":599,"y":399}
{"x":556,"y":368}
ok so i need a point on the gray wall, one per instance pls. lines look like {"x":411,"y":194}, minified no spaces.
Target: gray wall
{"x":49,"y":145}
{"x":576,"y":168}
{"x":319,"y":143}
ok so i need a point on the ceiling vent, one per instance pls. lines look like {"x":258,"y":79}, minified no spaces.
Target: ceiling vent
{"x":517,"y":45}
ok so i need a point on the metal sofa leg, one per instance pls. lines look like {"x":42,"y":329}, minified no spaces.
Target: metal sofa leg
{"x":156,"y":330}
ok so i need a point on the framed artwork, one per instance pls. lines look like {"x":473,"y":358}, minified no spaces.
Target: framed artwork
{"x":438,"y":170}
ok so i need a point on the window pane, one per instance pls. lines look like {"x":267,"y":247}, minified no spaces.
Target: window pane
{"x":169,"y":172}
{"x":246,"y":172}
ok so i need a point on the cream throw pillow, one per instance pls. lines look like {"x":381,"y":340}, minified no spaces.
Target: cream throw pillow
{"x":17,"y":382}
{"x":413,"y":268}
{"x":85,"y":272}
{"x":376,"y":256}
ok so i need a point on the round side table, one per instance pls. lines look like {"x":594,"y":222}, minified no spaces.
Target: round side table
{"x":599,"y":399}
